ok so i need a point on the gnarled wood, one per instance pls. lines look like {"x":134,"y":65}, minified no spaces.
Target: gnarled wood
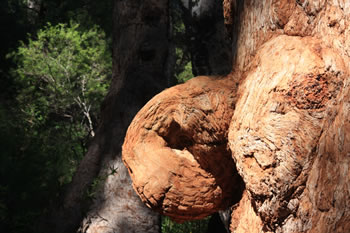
{"x":289,"y":129}
{"x":176,"y":149}
{"x":328,"y":23}
{"x":294,"y":86}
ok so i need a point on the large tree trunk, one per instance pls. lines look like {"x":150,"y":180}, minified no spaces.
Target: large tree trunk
{"x":281,"y":116}
{"x":292,"y":116}
{"x":140,"y":70}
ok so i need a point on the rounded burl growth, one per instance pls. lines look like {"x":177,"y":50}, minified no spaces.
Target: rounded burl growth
{"x":176,"y":149}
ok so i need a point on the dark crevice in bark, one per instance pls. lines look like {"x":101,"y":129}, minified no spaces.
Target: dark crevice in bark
{"x":216,"y":224}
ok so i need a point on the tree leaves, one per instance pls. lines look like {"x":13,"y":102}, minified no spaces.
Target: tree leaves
{"x":63,"y":71}
{"x":61,"y":76}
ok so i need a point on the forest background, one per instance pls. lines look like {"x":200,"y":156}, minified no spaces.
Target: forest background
{"x":55,"y":70}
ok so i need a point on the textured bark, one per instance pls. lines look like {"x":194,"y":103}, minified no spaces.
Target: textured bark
{"x":294,"y":85}
{"x":140,"y":70}
{"x":287,"y":135}
{"x":176,"y":150}
{"x":289,"y":130}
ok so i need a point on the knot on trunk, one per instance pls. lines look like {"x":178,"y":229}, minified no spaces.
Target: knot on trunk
{"x":176,"y":150}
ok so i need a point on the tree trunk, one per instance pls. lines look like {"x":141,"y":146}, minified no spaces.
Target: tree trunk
{"x":210,"y":45}
{"x":299,"y":181}
{"x":281,"y":116}
{"x":140,"y":70}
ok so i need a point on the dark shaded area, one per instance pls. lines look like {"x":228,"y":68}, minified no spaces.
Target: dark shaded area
{"x":210,"y":45}
{"x":233,"y":29}
{"x":177,"y":138}
{"x":29,"y":176}
{"x":215,"y":225}
{"x":140,"y":56}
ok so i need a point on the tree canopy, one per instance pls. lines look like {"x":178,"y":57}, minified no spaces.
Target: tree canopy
{"x":62,"y":74}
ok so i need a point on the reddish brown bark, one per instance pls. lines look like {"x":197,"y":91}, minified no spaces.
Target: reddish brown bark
{"x":289,"y":130}
{"x":176,"y":149}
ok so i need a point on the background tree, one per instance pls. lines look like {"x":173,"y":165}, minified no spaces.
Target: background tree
{"x":63,"y":73}
{"x":61,"y":77}
{"x":208,"y":42}
{"x":140,"y":69}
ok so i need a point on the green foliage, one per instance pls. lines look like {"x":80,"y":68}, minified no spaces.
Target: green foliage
{"x":197,"y":226}
{"x":61,"y":77}
{"x":63,"y":74}
{"x":185,"y":74}
{"x":183,"y":65}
